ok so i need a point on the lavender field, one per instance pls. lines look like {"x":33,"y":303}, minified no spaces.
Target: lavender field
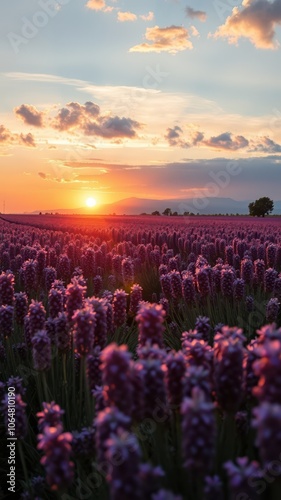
{"x":144,"y":355}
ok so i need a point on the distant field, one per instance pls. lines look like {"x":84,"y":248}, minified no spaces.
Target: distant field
{"x":85,"y":223}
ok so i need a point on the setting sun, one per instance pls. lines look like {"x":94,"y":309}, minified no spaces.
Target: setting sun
{"x":91,"y":202}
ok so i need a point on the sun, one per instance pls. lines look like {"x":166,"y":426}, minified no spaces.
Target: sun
{"x":91,"y":202}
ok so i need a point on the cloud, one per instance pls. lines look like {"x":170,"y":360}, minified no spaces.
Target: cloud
{"x":266,"y":145}
{"x":256,"y":21}
{"x":96,"y":4}
{"x":87,"y":119}
{"x":196,"y":14}
{"x":27,"y":140}
{"x":9,"y":138}
{"x":75,"y":115}
{"x":126,"y":16}
{"x":226,"y":142}
{"x":147,"y":17}
{"x":171,"y":39}
{"x":110,"y":127}
{"x":30,"y":115}
{"x":173,"y":136}
{"x":99,"y":5}
{"x":42,"y":175}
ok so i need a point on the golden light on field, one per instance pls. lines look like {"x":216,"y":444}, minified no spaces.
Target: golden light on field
{"x":91,"y":202}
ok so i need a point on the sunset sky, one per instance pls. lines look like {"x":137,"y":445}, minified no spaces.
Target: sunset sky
{"x":153,"y":98}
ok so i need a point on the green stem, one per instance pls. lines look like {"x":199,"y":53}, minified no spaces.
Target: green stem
{"x":45,"y":386}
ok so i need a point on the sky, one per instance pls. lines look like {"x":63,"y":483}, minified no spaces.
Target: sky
{"x":110,"y":99}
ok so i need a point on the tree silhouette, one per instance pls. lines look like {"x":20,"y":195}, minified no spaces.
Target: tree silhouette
{"x":155,"y":212}
{"x":167,"y":211}
{"x":261,"y":207}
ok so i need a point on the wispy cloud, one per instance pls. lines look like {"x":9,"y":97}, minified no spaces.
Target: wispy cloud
{"x":196,"y":14}
{"x":147,"y":17}
{"x":126,"y":16}
{"x":171,"y":39}
{"x":256,"y":21}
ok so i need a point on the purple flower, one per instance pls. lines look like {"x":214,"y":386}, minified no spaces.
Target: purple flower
{"x":84,"y":328}
{"x":7,"y":288}
{"x":203,"y":328}
{"x":123,"y":475}
{"x":165,"y":281}
{"x":197,"y":376}
{"x":41,"y":351}
{"x":188,"y":288}
{"x":227,"y":281}
{"x":29,"y":274}
{"x":239,"y":476}
{"x":97,"y":282}
{"x":135,"y":298}
{"x":100,"y":308}
{"x":155,"y":396}
{"x":83,"y":443}
{"x":50,"y":276}
{"x":18,"y":405}
{"x":119,"y":307}
{"x":127,"y":271}
{"x":176,"y":284}
{"x":37,"y":317}
{"x":269,"y":280}
{"x":249,"y":302}
{"x":98,"y":395}
{"x":62,"y":332}
{"x":247,"y":271}
{"x":137,"y":381}
{"x":6,"y":321}
{"x":198,"y":353}
{"x":165,"y":495}
{"x":20,"y":307}
{"x":150,"y":320}
{"x":268,"y":369}
{"x":271,"y":255}
{"x":74,"y":298}
{"x":56,"y":446}
{"x":198,"y":432}
{"x":174,"y":374}
{"x":239,"y":289}
{"x":64,"y":268}
{"x":107,"y":423}
{"x":56,"y":300}
{"x":17,"y":383}
{"x":259,"y":267}
{"x":228,"y":370}
{"x":50,"y":416}
{"x":203,"y":282}
{"x":267,"y":421}
{"x":251,"y":380}
{"x":272,"y":310}
{"x":115,"y":368}
{"x":94,"y":368}
{"x":150,"y":478}
{"x":213,"y":489}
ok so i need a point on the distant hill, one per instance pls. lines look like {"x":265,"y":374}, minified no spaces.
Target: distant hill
{"x":136,"y":206}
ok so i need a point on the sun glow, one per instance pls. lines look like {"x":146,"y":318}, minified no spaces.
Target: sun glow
{"x":91,"y":202}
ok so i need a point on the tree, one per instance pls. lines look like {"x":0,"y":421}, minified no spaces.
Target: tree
{"x":167,"y":211}
{"x":155,"y":212}
{"x":261,"y":207}
{"x":175,"y":214}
